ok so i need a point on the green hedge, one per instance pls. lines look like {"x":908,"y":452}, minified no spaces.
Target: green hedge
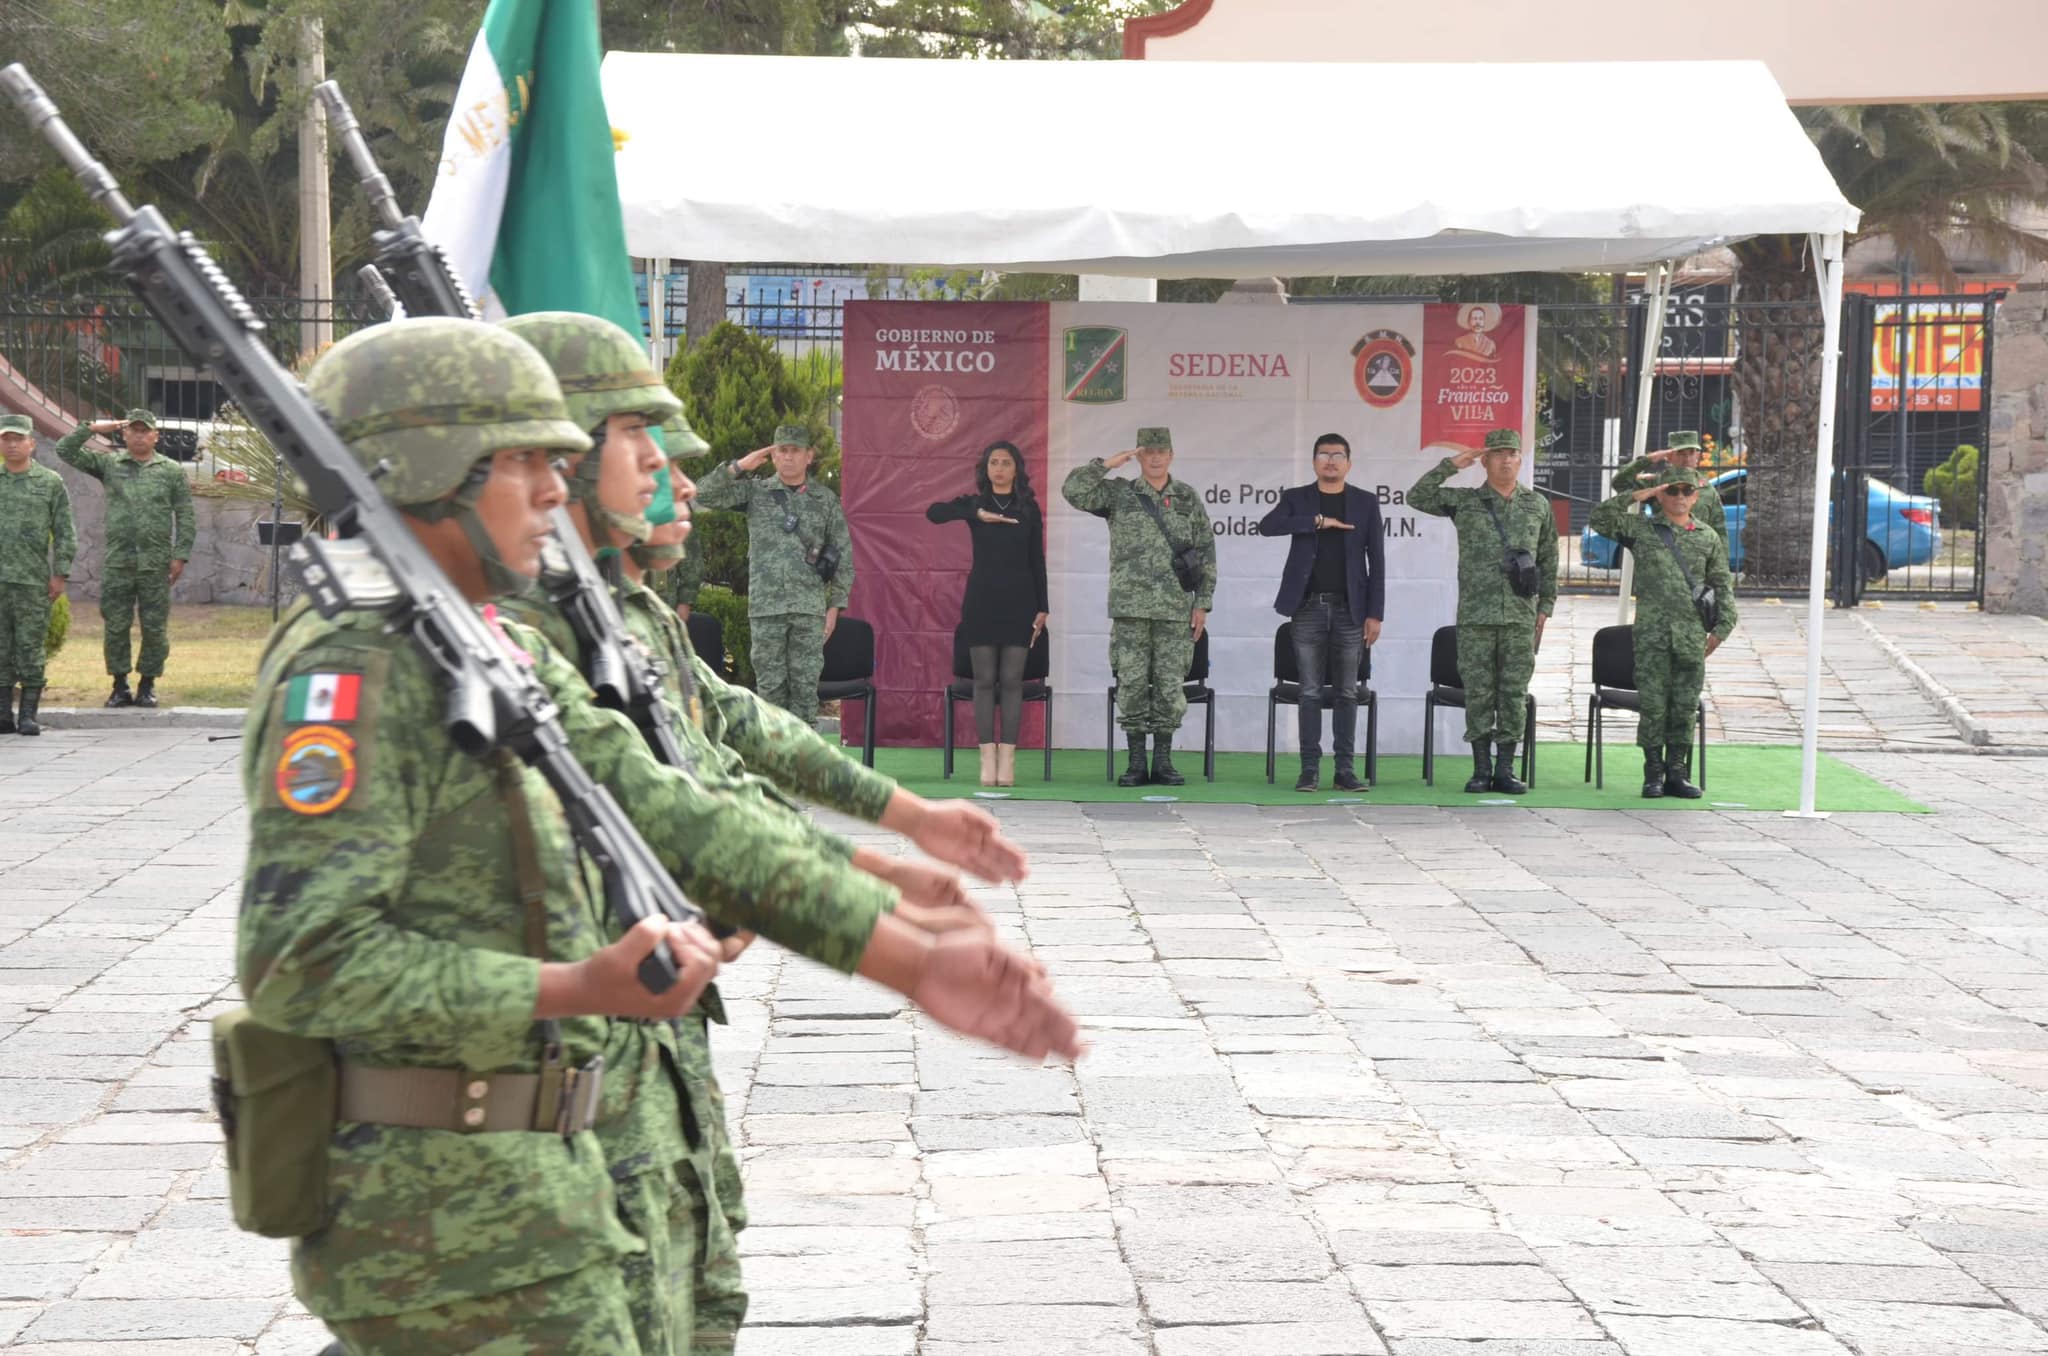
{"x":1954,"y":483}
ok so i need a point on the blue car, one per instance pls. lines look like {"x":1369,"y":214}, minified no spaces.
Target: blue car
{"x":1899,"y":529}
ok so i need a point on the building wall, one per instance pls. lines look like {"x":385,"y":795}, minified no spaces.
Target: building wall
{"x":2016,"y":516}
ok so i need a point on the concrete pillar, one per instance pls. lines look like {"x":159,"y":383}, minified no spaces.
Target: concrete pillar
{"x":2016,"y":461}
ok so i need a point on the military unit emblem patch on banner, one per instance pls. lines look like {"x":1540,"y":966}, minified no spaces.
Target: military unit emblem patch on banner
{"x":1097,"y":358}
{"x":1383,"y":369}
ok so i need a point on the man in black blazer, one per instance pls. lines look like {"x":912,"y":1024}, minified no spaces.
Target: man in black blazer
{"x":1335,"y":589}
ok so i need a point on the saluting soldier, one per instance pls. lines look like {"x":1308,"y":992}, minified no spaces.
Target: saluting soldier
{"x":426,"y":912}
{"x":1685,"y":453}
{"x":36,"y":545}
{"x":799,"y":564}
{"x":1678,"y":560}
{"x":1162,"y":583}
{"x":1503,"y":603}
{"x":149,"y":534}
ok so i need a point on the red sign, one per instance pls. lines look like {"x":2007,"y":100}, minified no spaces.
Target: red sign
{"x":1472,"y":359}
{"x":1940,"y":346}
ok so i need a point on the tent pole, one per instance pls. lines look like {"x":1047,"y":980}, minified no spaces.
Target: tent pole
{"x":1657,"y":287}
{"x":1827,"y":256}
{"x":657,"y":309}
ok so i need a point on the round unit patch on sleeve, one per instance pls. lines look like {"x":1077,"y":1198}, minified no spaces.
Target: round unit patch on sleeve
{"x":316,"y":773}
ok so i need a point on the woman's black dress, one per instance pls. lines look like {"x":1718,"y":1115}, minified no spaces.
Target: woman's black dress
{"x":1006,"y":587}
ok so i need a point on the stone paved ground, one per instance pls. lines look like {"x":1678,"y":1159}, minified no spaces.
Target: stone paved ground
{"x":1441,"y":1083}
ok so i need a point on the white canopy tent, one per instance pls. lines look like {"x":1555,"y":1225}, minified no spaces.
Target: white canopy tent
{"x":1230,"y":170}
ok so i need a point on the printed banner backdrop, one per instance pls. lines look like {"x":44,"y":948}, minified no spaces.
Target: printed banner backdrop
{"x":1245,"y":390}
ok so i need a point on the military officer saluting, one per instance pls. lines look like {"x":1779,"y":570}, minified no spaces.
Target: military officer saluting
{"x":799,"y":565}
{"x":1685,"y":608}
{"x":1162,"y":582}
{"x":1685,"y":453}
{"x":36,"y":545}
{"x":1507,"y":588}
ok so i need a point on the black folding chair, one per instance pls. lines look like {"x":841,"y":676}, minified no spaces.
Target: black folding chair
{"x":1447,"y":688}
{"x":1198,"y":692}
{"x":850,"y":675}
{"x":1037,"y":688}
{"x":707,"y":638}
{"x":1286,"y":691}
{"x":1614,"y":689}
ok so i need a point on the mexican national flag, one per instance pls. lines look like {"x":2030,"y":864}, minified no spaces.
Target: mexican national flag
{"x":527,"y":201}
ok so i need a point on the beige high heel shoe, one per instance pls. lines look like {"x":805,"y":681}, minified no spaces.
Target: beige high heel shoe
{"x":1006,"y":765}
{"x":988,"y":765}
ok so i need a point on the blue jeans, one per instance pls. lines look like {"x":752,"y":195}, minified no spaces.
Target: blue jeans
{"x":1328,"y":646}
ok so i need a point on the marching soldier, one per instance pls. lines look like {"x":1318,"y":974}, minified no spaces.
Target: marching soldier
{"x":1685,"y":453}
{"x":36,"y":545}
{"x":681,"y":578}
{"x":1507,"y":588}
{"x":799,"y":565}
{"x":149,"y":531}
{"x":1685,"y":608}
{"x":1162,"y":582}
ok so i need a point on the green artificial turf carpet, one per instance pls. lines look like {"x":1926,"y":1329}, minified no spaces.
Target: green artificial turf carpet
{"x":1739,"y":777}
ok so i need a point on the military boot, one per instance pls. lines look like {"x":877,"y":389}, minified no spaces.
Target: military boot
{"x":7,"y":709}
{"x":1504,"y":779}
{"x":1134,"y":771}
{"x":1482,"y":768}
{"x":1162,"y":762}
{"x":32,"y":699}
{"x":1677,"y":763}
{"x":1311,"y":777}
{"x":120,"y":696}
{"x":1653,"y":774}
{"x":145,"y":695}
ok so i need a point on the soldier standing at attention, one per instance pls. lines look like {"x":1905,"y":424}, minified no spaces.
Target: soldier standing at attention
{"x":1677,"y":559}
{"x":799,"y":565}
{"x":1685,"y":453}
{"x":1162,"y":582}
{"x":149,"y":531}
{"x":36,"y":545}
{"x":1504,"y":599}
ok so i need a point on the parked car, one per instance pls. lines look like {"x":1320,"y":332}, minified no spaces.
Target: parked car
{"x":1899,"y":529}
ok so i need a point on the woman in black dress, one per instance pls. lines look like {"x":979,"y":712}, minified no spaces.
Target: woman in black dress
{"x":1005,"y":607}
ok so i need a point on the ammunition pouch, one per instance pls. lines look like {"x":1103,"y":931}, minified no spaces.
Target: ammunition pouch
{"x":824,"y":560}
{"x":276,"y":1094}
{"x":1519,"y":564}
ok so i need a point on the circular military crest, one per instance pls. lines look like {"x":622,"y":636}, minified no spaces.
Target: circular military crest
{"x":316,"y":773}
{"x":934,"y":412}
{"x":1383,"y":368}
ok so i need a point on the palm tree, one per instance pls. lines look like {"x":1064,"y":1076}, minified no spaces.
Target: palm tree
{"x":1932,"y":177}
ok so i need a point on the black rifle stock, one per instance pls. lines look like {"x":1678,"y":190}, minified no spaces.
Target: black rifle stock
{"x":493,"y":701}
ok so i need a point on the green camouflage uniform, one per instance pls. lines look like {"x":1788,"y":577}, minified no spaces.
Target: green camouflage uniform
{"x":148,"y":525}
{"x":1670,"y":643}
{"x":680,"y":585}
{"x":1151,"y":642}
{"x":1496,"y":625}
{"x":786,"y":600}
{"x":36,"y":543}
{"x":1707,"y":510}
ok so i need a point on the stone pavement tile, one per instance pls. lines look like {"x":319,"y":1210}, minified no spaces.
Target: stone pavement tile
{"x":1689,"y":1297}
{"x":896,"y":1340}
{"x":1910,"y":1285}
{"x":1055,"y":1271}
{"x":1473,"y":1319}
{"x":1212,"y":1298}
{"x":1270,"y":1339}
{"x":1020,"y":1329}
{"x":835,"y":1306}
{"x":1436,"y":1249}
{"x":1872,"y":1320}
{"x":177,"y":1263}
{"x":973,"y":1197}
{"x":89,"y":1213}
{"x":292,"y":1335}
{"x":110,"y":1320}
{"x":1463,"y":1281}
{"x":1504,"y":1346}
{"x":186,"y":1346}
{"x":1717,"y":1337}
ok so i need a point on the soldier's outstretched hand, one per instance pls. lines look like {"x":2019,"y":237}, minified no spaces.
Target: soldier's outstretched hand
{"x":607,"y":983}
{"x":969,"y":837}
{"x":981,"y":988}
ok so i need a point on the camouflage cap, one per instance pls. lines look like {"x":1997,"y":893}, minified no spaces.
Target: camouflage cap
{"x":1149,"y":438}
{"x":1678,"y":475}
{"x":1684,"y":439}
{"x":1503,"y":440}
{"x":680,"y":439}
{"x":436,"y":395}
{"x":602,"y":369}
{"x":16,"y":423}
{"x":792,"y":435}
{"x":140,"y":417}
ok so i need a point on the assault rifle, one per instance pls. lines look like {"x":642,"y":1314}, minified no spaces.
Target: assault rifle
{"x":415,"y":273}
{"x":493,"y":702}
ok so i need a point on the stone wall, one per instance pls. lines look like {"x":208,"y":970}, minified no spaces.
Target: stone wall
{"x":228,"y":565}
{"x":2016,"y":466}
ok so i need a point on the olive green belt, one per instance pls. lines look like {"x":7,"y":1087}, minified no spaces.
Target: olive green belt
{"x":558,"y":1101}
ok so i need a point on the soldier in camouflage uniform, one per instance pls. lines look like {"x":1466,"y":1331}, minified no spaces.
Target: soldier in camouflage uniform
{"x":1671,"y":640}
{"x":149,"y":531}
{"x":799,"y":565}
{"x":1499,"y":630}
{"x":36,"y":545}
{"x":426,"y":911}
{"x":1685,"y":453}
{"x":1154,"y":622}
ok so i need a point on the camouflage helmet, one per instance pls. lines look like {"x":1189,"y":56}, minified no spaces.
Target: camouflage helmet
{"x":603,"y":369}
{"x":434,"y":396}
{"x":681,"y":440}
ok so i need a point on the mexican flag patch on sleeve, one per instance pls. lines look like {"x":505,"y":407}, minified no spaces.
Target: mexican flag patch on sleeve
{"x":329,"y":698}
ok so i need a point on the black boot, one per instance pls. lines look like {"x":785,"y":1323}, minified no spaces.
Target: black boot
{"x":1346,"y":779}
{"x":1134,"y":771}
{"x":1162,"y":762}
{"x":7,"y":709}
{"x":1482,"y":768}
{"x":32,"y":700}
{"x":1311,"y":778}
{"x":120,"y":696}
{"x":145,"y":695}
{"x":1653,"y":774}
{"x":1677,"y":764}
{"x":1504,"y":779}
